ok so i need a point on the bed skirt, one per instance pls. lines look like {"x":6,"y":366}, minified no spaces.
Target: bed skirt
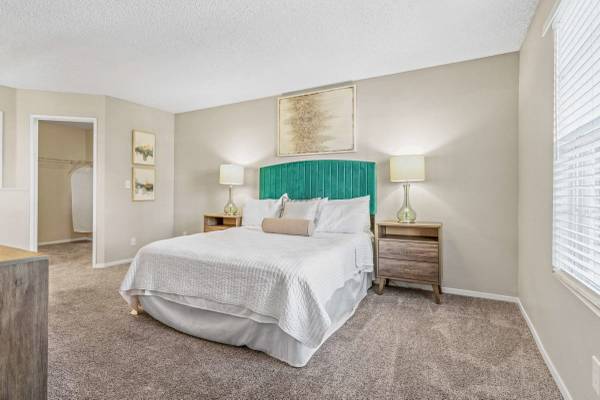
{"x":252,"y":330}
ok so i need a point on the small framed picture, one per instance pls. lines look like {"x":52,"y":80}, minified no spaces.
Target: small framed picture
{"x":143,"y":148}
{"x":144,"y":184}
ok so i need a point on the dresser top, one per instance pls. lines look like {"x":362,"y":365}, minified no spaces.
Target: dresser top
{"x":418,"y":224}
{"x":12,"y":254}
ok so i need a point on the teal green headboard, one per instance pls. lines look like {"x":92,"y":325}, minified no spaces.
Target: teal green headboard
{"x":335,"y":179}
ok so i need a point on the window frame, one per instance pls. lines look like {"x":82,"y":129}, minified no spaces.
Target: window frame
{"x":589,"y":296}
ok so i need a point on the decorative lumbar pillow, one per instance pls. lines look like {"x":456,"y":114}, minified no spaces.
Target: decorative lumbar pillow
{"x":345,"y":216}
{"x":302,"y":209}
{"x":288,"y":226}
{"x":257,"y":210}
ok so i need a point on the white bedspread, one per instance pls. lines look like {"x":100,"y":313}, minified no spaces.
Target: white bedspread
{"x":286,"y":278}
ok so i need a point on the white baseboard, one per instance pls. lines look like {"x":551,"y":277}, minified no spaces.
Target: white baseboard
{"x":482,"y":295}
{"x":459,"y":292}
{"x":553,"y":371}
{"x":113,"y":263}
{"x":79,"y":239}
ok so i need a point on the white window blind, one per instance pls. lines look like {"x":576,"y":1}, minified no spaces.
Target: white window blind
{"x":576,"y":225}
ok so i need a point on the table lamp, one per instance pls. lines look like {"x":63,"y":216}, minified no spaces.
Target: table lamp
{"x":407,"y":169}
{"x":231,"y":175}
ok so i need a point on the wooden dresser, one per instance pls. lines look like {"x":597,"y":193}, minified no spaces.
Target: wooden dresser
{"x":218,"y":222}
{"x":23,"y":324}
{"x":410,"y":253}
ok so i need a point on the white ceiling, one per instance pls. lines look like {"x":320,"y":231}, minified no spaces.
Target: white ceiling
{"x":181,"y":55}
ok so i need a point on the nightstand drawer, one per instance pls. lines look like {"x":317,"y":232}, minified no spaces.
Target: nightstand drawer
{"x":421,"y":251}
{"x":408,"y":269}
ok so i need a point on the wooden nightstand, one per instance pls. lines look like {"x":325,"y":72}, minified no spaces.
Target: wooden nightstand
{"x":409,"y":253}
{"x":219,"y":222}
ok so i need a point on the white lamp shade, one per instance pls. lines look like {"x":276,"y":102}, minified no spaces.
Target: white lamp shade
{"x":407,"y":168}
{"x":230,"y":174}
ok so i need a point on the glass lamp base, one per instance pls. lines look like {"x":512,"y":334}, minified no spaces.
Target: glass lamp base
{"x":406,"y":215}
{"x":230,"y":209}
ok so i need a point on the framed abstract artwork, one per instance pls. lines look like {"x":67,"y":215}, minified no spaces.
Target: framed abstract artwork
{"x":318,"y":122}
{"x":143,"y":148}
{"x":144,"y":183}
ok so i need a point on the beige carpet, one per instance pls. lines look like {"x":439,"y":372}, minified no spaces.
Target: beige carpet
{"x":397,"y":346}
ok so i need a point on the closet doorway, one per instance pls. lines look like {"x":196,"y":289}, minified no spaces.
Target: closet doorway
{"x":63,"y":185}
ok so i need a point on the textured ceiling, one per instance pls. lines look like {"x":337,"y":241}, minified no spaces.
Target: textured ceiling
{"x":181,"y":55}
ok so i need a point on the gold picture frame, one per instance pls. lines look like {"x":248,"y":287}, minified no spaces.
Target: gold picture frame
{"x":143,"y":183}
{"x":317,"y":122}
{"x":143,"y":148}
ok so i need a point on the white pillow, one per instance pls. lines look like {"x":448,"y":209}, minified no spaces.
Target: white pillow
{"x":301,"y":209}
{"x":345,"y":216}
{"x":256,"y":210}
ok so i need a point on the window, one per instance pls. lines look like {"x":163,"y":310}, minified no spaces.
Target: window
{"x":576,"y":225}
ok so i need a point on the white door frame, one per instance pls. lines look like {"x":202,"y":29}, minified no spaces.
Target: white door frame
{"x":33,"y":173}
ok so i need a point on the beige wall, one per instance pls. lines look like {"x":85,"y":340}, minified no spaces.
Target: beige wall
{"x":146,"y":221}
{"x":462,"y":116}
{"x":63,"y":142}
{"x":8,"y":105}
{"x":118,"y":219}
{"x":569,"y":330}
{"x":13,"y":217}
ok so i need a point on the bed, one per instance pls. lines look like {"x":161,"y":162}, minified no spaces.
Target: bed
{"x":283,"y":295}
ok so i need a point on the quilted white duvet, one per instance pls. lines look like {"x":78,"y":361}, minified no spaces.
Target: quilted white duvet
{"x":288,"y":279}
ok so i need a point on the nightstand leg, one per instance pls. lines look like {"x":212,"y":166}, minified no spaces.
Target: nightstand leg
{"x":436,"y":293}
{"x":382,"y":282}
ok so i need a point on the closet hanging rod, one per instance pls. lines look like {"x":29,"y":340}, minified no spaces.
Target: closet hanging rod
{"x":60,"y":160}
